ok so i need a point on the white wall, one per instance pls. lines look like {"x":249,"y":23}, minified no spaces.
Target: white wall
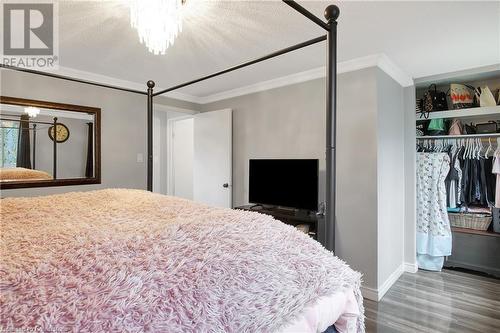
{"x":183,"y":156}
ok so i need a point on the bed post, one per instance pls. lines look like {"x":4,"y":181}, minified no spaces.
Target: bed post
{"x":34,"y":147}
{"x":151,"y":85}
{"x":331,"y":14}
{"x":54,"y":139}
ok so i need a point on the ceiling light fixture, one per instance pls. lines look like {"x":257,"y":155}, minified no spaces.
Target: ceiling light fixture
{"x":157,"y":22}
{"x":31,"y":111}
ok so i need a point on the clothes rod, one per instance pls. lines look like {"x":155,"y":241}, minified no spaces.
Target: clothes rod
{"x":307,"y":14}
{"x":63,"y":77}
{"x":465,"y":136}
{"x":245,"y":64}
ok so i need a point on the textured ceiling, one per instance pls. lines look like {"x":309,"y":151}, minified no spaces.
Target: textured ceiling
{"x":423,"y":38}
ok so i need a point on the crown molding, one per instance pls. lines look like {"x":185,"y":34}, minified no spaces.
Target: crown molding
{"x":84,"y":75}
{"x":377,"y":60}
{"x":308,"y":75}
{"x":394,"y":71}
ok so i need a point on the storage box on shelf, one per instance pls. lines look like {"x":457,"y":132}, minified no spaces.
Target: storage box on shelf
{"x":470,"y":221}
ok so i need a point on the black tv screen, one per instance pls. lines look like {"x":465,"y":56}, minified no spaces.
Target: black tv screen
{"x":282,"y":182}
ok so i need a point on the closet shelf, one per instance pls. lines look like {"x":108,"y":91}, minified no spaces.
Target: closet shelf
{"x":475,"y":232}
{"x":464,"y":113}
{"x":487,"y":135}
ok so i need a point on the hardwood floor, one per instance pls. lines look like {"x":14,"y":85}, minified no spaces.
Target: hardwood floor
{"x":448,"y":301}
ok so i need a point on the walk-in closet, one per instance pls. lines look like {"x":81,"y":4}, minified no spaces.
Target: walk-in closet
{"x":458,"y":172}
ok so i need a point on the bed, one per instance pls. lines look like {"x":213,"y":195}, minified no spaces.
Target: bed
{"x":14,"y":174}
{"x":130,"y":260}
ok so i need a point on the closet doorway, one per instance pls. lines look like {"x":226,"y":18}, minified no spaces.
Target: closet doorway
{"x":199,"y":161}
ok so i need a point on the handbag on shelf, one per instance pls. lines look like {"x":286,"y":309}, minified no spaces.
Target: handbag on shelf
{"x":418,"y":106}
{"x":436,"y":127}
{"x":455,"y":127}
{"x":434,"y":100}
{"x":421,"y":128}
{"x":486,"y":128}
{"x":485,"y":96}
{"x":462,"y":96}
{"x":469,"y":129}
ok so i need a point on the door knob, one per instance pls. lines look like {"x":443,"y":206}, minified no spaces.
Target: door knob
{"x":225,"y":185}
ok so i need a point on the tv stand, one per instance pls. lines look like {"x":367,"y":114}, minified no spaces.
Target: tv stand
{"x":288,"y":216}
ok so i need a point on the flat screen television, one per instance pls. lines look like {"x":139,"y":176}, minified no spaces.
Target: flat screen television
{"x":284,"y":182}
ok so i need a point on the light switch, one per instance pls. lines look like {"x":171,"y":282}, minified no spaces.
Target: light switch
{"x":140,"y":158}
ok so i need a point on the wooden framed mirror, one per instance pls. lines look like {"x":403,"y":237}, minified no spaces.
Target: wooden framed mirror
{"x":32,"y":154}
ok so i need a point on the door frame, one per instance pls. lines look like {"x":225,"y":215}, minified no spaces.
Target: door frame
{"x":170,"y":151}
{"x":160,"y":108}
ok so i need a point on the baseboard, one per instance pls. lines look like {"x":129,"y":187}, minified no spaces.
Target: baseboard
{"x":377,"y":294}
{"x":369,"y":293}
{"x":410,"y":268}
{"x":390,"y":281}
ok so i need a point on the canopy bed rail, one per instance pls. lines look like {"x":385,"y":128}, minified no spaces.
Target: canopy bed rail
{"x":34,"y":129}
{"x":331,"y":14}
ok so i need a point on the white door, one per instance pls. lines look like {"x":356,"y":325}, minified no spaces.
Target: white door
{"x":212,"y":167}
{"x":182,"y":164}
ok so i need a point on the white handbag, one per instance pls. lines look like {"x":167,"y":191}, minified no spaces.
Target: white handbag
{"x":485,"y":97}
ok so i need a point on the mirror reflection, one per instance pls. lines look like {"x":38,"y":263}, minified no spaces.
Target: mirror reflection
{"x":46,"y":144}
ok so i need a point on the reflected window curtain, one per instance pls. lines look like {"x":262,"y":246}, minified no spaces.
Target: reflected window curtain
{"x":23,"y":144}
{"x":8,"y":144}
{"x":89,"y":170}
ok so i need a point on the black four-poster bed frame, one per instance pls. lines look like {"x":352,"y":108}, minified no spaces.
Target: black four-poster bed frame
{"x":331,"y":14}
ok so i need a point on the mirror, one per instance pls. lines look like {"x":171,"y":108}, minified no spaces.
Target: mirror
{"x":32,"y":155}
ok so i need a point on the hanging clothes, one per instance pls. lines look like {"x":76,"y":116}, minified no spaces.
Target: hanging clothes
{"x":433,"y":226}
{"x":477,"y":181}
{"x":454,"y":179}
{"x":496,"y":171}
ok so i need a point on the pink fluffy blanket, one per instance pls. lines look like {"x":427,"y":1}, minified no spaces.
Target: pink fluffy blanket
{"x":129,"y":260}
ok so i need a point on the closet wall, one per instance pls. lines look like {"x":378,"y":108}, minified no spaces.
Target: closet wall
{"x":390,"y":179}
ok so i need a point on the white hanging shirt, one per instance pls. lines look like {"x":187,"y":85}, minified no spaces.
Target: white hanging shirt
{"x":496,"y":170}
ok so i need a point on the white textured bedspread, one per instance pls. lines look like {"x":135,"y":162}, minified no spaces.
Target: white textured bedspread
{"x":133,"y":261}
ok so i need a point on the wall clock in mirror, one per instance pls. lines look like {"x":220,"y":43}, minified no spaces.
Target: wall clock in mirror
{"x":62,"y":133}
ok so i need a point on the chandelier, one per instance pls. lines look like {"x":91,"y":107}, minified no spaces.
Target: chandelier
{"x":157,"y":22}
{"x":31,"y":111}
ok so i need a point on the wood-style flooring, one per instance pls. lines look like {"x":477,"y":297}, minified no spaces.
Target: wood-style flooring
{"x":447,"y":301}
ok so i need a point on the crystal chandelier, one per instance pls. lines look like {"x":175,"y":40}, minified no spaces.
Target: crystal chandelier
{"x":31,"y":111}
{"x":157,"y":21}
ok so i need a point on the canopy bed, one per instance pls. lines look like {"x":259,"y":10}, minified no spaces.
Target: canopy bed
{"x":163,"y":263}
